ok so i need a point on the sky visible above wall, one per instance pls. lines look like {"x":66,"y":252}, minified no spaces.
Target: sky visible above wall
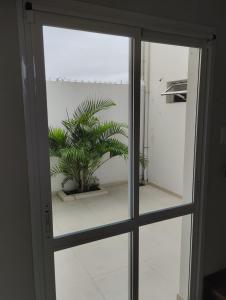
{"x":85,"y":56}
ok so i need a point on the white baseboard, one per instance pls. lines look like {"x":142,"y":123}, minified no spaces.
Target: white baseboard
{"x":179,"y":297}
{"x":164,"y":189}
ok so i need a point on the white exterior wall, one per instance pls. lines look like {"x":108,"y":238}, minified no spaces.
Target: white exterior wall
{"x":166,"y":132}
{"x":166,"y":136}
{"x":62,"y":96}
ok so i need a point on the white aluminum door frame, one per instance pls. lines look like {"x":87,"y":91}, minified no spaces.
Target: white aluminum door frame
{"x":44,"y":245}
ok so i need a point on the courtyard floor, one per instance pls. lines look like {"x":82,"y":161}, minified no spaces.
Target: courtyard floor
{"x":99,"y":270}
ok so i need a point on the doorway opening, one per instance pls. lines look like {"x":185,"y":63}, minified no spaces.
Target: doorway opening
{"x":116,"y":158}
{"x":88,"y":101}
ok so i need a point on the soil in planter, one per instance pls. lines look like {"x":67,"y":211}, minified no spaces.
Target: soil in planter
{"x":76,"y":191}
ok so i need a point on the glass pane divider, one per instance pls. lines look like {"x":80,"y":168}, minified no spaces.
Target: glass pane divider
{"x":134,"y":264}
{"x":91,"y":235}
{"x":134,"y":167}
{"x":102,"y":232}
{"x":166,"y":214}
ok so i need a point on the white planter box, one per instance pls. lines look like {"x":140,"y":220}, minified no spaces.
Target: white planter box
{"x":64,"y":197}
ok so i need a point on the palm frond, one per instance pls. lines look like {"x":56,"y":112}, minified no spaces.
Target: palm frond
{"x":75,"y":154}
{"x":114,"y":147}
{"x":56,"y":170}
{"x":108,"y":129}
{"x":90,"y":107}
{"x":57,"y":140}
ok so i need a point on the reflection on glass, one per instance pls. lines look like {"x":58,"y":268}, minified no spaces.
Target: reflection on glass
{"x":87,"y":98}
{"x":164,"y":259}
{"x":169,"y":84}
{"x":96,"y":271}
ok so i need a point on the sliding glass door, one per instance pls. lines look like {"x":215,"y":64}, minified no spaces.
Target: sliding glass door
{"x":114,"y":136}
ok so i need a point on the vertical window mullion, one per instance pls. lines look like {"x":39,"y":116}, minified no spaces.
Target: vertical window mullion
{"x":195,"y":288}
{"x":134,"y":165}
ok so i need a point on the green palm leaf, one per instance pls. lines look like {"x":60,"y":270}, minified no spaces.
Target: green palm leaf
{"x":108,"y":129}
{"x":57,"y":140}
{"x":90,"y":107}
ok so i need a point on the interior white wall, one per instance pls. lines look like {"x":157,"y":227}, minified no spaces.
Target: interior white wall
{"x":166,"y":136}
{"x":16,"y":262}
{"x":16,"y":248}
{"x":65,"y":96}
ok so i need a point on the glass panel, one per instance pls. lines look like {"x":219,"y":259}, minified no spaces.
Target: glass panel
{"x":165,"y":259}
{"x":87,"y":97}
{"x":94,"y":271}
{"x":168,"y":125}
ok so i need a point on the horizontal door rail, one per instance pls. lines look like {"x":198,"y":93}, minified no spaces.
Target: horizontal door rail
{"x":166,"y":214}
{"x":102,"y":232}
{"x":91,"y":235}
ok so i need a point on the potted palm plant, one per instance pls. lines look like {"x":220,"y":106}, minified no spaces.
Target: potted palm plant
{"x":84,"y":143}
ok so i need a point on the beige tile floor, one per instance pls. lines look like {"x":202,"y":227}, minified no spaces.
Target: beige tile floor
{"x":99,"y":270}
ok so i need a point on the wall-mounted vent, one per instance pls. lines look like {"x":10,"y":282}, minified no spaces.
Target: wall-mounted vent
{"x":176,"y":91}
